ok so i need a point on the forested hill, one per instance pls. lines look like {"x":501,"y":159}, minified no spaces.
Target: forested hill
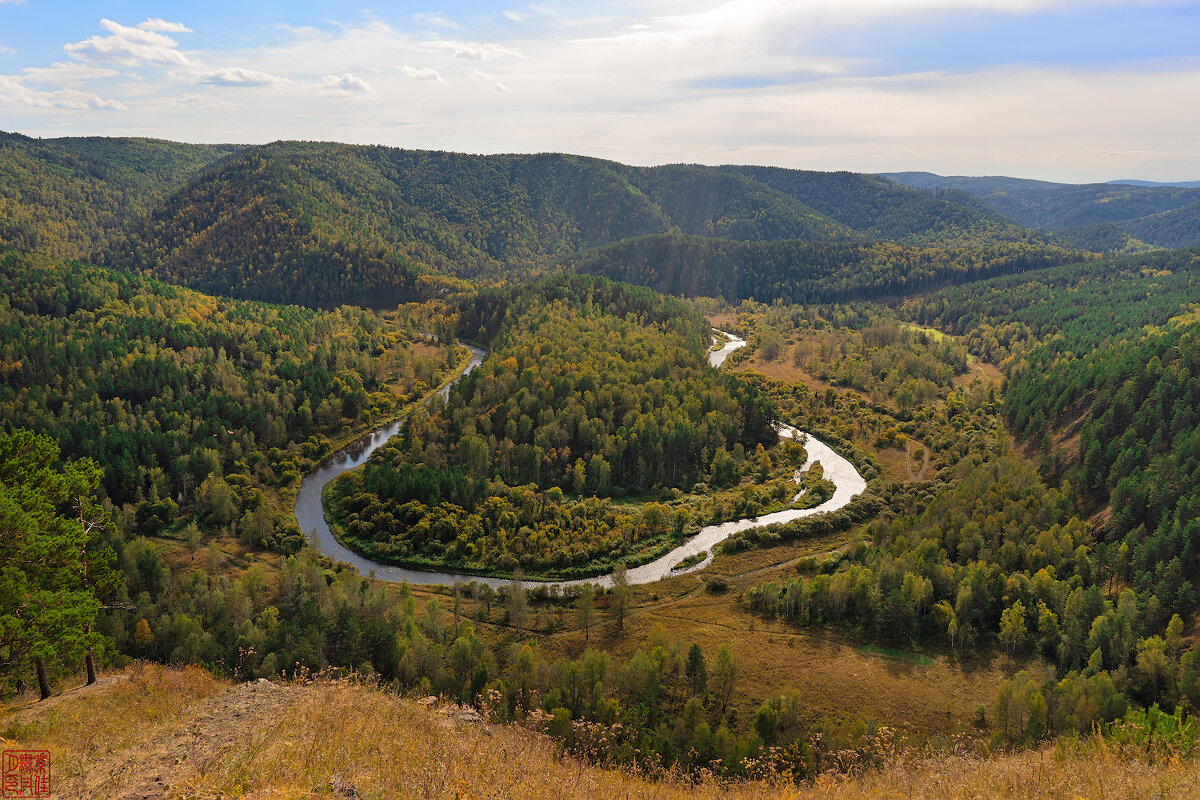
{"x":467,"y":214}
{"x":326,"y":223}
{"x":881,"y":209}
{"x":66,"y":197}
{"x":1075,"y":307}
{"x":279,"y":225}
{"x":1163,"y":215}
{"x":806,"y":272}
{"x":306,"y":222}
{"x":1102,"y":377}
{"x":1138,"y":449}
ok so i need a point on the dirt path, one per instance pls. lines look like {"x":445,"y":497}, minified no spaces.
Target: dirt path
{"x":166,"y":765}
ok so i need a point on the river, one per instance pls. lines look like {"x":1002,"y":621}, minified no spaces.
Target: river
{"x":310,"y":514}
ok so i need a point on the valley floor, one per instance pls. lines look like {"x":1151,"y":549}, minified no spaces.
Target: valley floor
{"x":154,"y":732}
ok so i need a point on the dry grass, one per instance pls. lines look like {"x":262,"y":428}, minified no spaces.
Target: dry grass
{"x":901,"y":465}
{"x":82,"y":726}
{"x":425,"y":349}
{"x":341,"y":735}
{"x":724,"y":320}
{"x":1095,"y":770}
{"x":989,"y":374}
{"x":839,"y":682}
{"x":836,"y":681}
{"x":784,"y":369}
{"x":338,"y":739}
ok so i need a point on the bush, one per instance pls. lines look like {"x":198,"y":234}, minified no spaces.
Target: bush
{"x":716,"y":584}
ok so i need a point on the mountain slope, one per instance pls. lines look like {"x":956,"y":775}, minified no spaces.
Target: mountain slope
{"x":1102,"y":377}
{"x":268,"y":225}
{"x":67,"y":197}
{"x":1179,"y":227}
{"x":1182,"y":184}
{"x":1161,"y":215}
{"x":1102,"y":237}
{"x":881,"y":209}
{"x":324,"y":223}
{"x":706,"y":202}
{"x":805,"y":272}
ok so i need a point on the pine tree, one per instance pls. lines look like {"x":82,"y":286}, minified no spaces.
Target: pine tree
{"x":54,"y":561}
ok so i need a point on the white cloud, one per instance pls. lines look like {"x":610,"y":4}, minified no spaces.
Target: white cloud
{"x":484,"y":77}
{"x":64,"y":74}
{"x":205,"y":102}
{"x":131,"y":47}
{"x":160,"y":24}
{"x":437,"y":20}
{"x":237,"y":76}
{"x":346,"y":85}
{"x":733,"y":15}
{"x":13,"y":89}
{"x":476,"y":51}
{"x":421,"y":73}
{"x":7,"y":50}
{"x":514,"y":16}
{"x":640,"y":83}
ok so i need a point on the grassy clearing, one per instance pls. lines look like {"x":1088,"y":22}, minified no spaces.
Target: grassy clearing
{"x":841,"y":685}
{"x":891,"y":652}
{"x":784,"y":369}
{"x":838,"y":685}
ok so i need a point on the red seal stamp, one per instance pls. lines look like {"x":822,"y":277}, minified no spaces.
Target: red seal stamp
{"x":25,"y":774}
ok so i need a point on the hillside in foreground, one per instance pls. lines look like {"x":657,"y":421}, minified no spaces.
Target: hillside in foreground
{"x":160,"y":732}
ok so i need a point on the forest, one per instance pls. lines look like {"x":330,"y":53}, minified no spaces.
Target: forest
{"x":1153,"y":216}
{"x":591,"y":391}
{"x":190,"y":403}
{"x":799,"y":272}
{"x":1099,"y":383}
{"x":186,"y":331}
{"x":68,"y":198}
{"x":324,"y":224}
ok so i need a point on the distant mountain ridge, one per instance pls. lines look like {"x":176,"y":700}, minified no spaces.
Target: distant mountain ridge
{"x":1180,"y":184}
{"x":1161,"y":215}
{"x":325,"y":223}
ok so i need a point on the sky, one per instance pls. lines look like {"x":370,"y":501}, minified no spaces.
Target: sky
{"x":1054,"y":89}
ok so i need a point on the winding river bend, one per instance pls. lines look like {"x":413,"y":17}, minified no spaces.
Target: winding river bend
{"x":310,"y":514}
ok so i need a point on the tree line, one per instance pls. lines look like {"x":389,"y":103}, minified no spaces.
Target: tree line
{"x":806,"y":272}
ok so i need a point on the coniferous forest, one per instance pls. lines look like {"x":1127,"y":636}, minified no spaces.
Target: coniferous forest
{"x":188,"y":331}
